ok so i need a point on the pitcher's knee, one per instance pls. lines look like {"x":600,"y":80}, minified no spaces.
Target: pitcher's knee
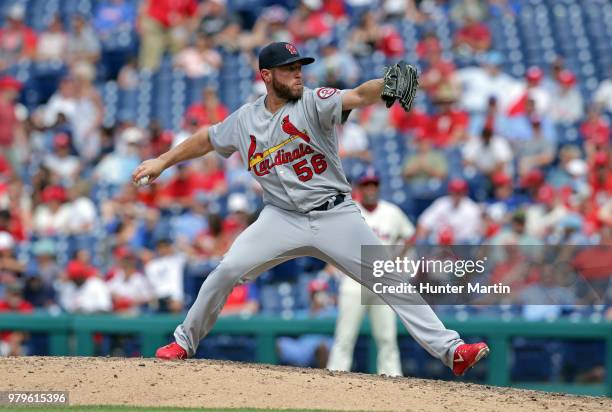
{"x":231,"y":270}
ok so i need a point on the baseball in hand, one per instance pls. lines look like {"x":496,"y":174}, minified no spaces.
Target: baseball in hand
{"x":143,"y":181}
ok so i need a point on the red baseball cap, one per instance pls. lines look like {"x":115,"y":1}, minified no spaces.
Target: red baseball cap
{"x":567,"y":78}
{"x":600,"y":159}
{"x":78,"y":270}
{"x":446,"y":236}
{"x":9,"y":83}
{"x":501,"y":179}
{"x":53,"y":193}
{"x":546,"y":194}
{"x":457,"y":186}
{"x":533,"y":178}
{"x":61,"y":140}
{"x":534,"y":74}
{"x":317,"y":285}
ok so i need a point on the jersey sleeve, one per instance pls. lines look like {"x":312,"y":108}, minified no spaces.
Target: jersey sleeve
{"x":224,"y":136}
{"x":324,"y":107}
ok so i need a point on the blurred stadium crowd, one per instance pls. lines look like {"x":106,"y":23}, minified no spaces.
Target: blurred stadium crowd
{"x":508,"y":143}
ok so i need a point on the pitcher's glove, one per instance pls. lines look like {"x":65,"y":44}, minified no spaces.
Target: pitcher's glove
{"x":401,"y":82}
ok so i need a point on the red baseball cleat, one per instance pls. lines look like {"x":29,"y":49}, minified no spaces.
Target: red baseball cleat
{"x":467,"y":355}
{"x":171,"y":351}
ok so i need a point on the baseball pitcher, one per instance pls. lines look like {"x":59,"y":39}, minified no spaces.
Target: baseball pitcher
{"x":288,"y":142}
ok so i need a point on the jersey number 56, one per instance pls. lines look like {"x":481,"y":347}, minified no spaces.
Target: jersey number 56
{"x":304,"y":171}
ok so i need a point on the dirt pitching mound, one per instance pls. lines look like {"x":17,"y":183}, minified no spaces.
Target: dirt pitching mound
{"x":205,"y":383}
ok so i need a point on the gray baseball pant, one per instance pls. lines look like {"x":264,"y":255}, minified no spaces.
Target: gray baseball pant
{"x":334,"y":236}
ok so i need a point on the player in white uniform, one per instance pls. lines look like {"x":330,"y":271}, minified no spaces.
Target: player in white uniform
{"x":392,"y":227}
{"x":287,"y":140}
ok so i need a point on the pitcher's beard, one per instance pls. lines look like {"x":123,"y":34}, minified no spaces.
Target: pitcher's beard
{"x":284,"y":92}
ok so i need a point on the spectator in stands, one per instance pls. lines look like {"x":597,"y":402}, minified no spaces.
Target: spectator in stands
{"x":10,"y":267}
{"x":221,"y":24}
{"x":569,"y":232}
{"x":211,"y":176}
{"x":82,"y":210}
{"x":600,"y":175}
{"x":455,"y":211}
{"x":239,"y":216}
{"x":53,"y":43}
{"x":594,"y":265}
{"x":160,"y":140}
{"x":185,"y":227}
{"x":209,"y":110}
{"x":40,"y":279}
{"x":520,"y":128}
{"x":61,"y":163}
{"x":476,"y":10}
{"x":504,"y":200}
{"x":12,"y":343}
{"x":546,"y":299}
{"x":11,"y":132}
{"x":480,"y":83}
{"x":114,"y":16}
{"x":53,"y":215}
{"x":243,"y":300}
{"x":425,"y":170}
{"x":447,"y":127}
{"x":363,"y":40}
{"x":115,"y":168}
{"x":595,"y":130}
{"x":488,"y":154}
{"x":309,"y":21}
{"x":80,"y":290}
{"x":164,"y":25}
{"x":270,"y":27}
{"x":200,"y":59}
{"x":516,"y":234}
{"x":130,"y":289}
{"x":88,"y":122}
{"x":353,"y":140}
{"x":568,"y":107}
{"x":533,"y":90}
{"x":440,"y":73}
{"x":213,"y":242}
{"x":309,"y":350}
{"x":543,"y":216}
{"x":536,"y":153}
{"x":63,"y":103}
{"x":83,"y":43}
{"x":473,"y":38}
{"x":560,"y":175}
{"x":128,"y":77}
{"x":335,"y":68}
{"x":10,"y":222}
{"x":165,"y":273}
{"x":603,"y":93}
{"x":17,"y":40}
{"x":179,"y":191}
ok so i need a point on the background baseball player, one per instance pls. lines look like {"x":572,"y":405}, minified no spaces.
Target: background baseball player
{"x":392,"y":226}
{"x":287,"y":139}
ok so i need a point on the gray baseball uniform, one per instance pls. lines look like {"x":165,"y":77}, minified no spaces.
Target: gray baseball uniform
{"x":293,"y":154}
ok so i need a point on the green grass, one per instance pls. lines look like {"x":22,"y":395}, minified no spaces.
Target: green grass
{"x":102,"y":408}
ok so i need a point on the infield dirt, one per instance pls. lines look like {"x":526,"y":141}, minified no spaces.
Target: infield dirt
{"x":210,"y":384}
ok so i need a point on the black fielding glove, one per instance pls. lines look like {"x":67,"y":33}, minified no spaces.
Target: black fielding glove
{"x":401,"y":82}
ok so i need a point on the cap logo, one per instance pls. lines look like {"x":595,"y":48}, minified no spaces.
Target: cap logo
{"x":291,"y":48}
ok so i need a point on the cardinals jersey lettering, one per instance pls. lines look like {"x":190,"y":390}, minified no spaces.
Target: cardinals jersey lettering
{"x":292,"y":153}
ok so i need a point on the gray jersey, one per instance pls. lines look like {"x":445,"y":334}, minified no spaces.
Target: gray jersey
{"x":292,"y":153}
